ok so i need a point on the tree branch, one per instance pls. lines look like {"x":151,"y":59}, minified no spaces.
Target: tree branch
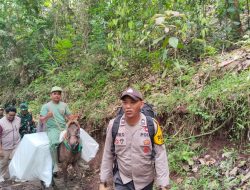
{"x":208,"y":133}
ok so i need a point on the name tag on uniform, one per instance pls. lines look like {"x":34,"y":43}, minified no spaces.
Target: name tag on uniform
{"x":120,"y":141}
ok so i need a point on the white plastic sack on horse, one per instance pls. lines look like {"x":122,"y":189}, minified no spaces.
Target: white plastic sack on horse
{"x":32,"y":159}
{"x":89,"y":146}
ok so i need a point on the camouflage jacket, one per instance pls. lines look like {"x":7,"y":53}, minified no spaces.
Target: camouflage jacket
{"x":27,"y":124}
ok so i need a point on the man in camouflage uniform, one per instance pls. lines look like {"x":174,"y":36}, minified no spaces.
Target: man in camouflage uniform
{"x":27,"y":123}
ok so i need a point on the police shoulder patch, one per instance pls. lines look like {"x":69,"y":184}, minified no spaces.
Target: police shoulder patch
{"x":158,"y":137}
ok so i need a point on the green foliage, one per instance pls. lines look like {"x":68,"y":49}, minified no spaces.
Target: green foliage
{"x":225,"y":98}
{"x":95,"y":49}
{"x":42,"y":36}
{"x":180,"y":154}
{"x":221,"y":99}
{"x":195,"y":175}
{"x":62,"y":50}
{"x":150,"y":33}
{"x":96,"y":44}
{"x":130,"y":34}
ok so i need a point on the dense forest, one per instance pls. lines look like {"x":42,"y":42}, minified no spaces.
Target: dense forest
{"x":190,"y":58}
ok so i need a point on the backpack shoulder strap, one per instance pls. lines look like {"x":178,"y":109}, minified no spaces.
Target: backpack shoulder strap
{"x":151,"y":128}
{"x":115,"y":128}
{"x":151,"y":132}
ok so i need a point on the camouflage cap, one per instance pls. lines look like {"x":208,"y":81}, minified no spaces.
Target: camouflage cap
{"x":56,"y":89}
{"x":24,"y":106}
{"x":1,"y":107}
{"x":132,"y":93}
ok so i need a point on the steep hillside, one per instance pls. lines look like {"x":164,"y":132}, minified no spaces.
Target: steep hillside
{"x":191,"y":60}
{"x":190,"y":99}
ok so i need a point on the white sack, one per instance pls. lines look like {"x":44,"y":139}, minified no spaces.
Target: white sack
{"x":89,"y":146}
{"x":32,"y":159}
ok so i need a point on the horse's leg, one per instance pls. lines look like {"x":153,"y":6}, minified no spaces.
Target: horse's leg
{"x":78,"y":172}
{"x":43,"y":185}
{"x":65,"y":173}
{"x":53,"y":184}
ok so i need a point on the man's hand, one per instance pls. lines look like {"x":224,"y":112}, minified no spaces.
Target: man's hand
{"x":43,"y":119}
{"x":103,"y":186}
{"x":49,"y":114}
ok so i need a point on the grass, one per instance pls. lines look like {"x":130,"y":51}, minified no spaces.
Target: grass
{"x":189,"y":174}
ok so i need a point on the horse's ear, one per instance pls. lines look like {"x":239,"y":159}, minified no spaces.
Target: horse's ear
{"x":73,"y":122}
{"x":74,"y":117}
{"x":78,"y":124}
{"x":70,"y":122}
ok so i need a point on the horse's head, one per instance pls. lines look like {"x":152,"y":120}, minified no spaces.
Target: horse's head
{"x":73,"y":134}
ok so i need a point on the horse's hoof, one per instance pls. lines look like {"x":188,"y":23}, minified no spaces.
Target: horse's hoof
{"x":65,"y":185}
{"x":55,"y":187}
{"x":55,"y":175}
{"x":43,"y":185}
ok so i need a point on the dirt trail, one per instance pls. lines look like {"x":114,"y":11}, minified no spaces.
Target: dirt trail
{"x":35,"y":185}
{"x":74,"y":183}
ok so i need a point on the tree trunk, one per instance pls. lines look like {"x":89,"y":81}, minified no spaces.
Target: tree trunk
{"x":235,"y":18}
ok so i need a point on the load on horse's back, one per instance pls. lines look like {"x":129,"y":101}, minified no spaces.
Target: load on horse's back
{"x":47,"y":148}
{"x":33,"y":152}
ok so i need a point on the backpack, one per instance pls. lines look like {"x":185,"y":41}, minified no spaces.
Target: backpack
{"x":150,"y":114}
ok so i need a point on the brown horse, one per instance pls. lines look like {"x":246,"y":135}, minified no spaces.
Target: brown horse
{"x":69,"y":151}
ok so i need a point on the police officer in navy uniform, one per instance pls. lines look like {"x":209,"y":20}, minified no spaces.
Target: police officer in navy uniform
{"x":136,"y":170}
